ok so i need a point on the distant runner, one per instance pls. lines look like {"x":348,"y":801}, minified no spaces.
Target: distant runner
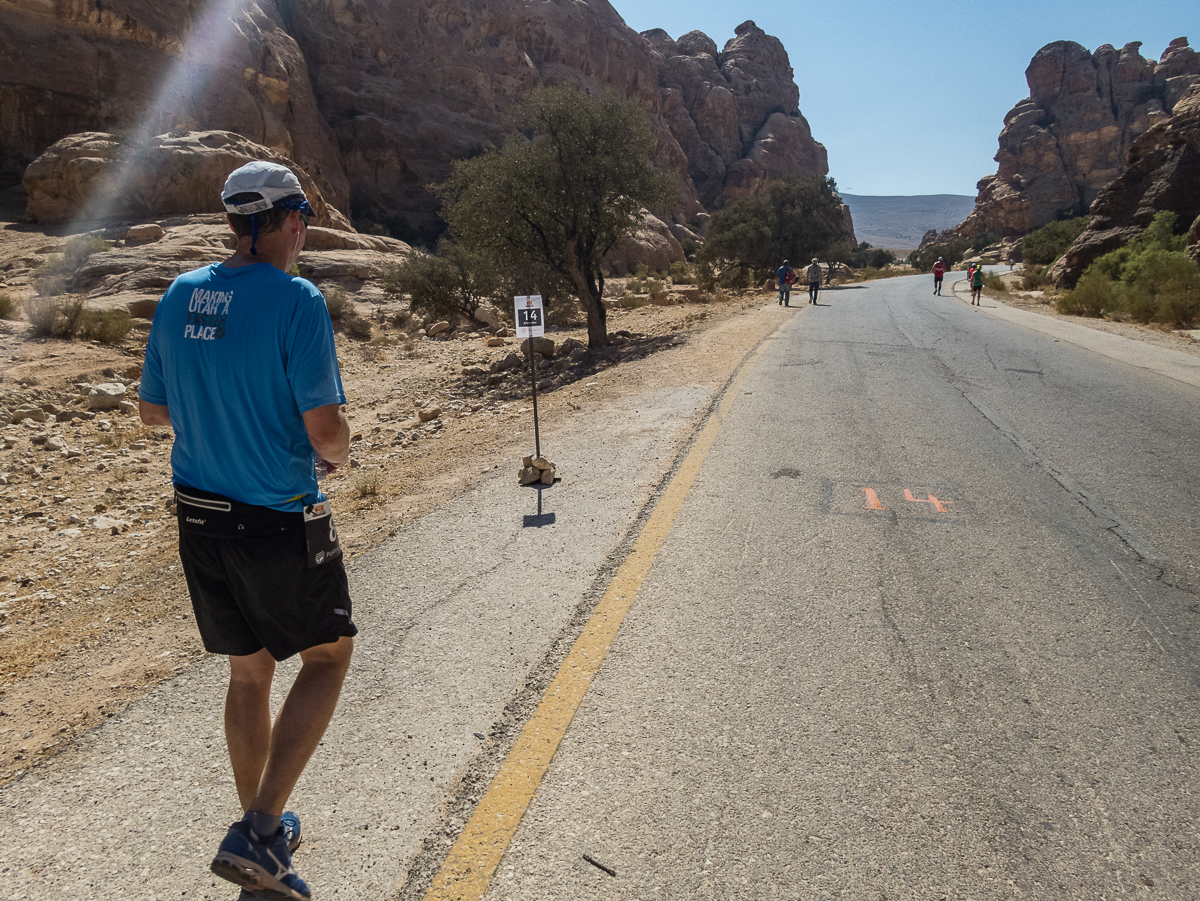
{"x":977,"y":285}
{"x":814,"y":280}
{"x":939,"y":272}
{"x":785,"y":275}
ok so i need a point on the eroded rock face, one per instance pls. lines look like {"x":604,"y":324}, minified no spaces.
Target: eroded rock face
{"x":375,"y":99}
{"x":123,"y":65}
{"x":1072,"y":135}
{"x":738,"y":121}
{"x":1163,"y":174}
{"x":94,"y":175}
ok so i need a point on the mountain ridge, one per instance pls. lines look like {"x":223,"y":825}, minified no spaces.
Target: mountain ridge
{"x":898,"y":222}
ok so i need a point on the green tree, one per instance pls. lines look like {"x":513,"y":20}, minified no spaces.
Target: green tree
{"x":1044,"y":245}
{"x":559,"y":197}
{"x":797,"y":219}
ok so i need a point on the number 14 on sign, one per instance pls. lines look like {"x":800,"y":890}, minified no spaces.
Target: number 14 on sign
{"x":873,"y":502}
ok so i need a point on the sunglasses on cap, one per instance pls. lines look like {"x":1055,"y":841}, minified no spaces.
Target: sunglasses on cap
{"x":300,"y":205}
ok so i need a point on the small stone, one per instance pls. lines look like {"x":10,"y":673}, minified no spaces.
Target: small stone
{"x":107,"y":396}
{"x":438,"y":328}
{"x":427,"y":414}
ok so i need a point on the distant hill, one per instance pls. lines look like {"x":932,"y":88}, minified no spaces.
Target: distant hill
{"x":898,"y":223}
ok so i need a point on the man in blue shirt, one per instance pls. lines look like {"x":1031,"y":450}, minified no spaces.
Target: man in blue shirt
{"x":784,"y":276}
{"x":241,"y":364}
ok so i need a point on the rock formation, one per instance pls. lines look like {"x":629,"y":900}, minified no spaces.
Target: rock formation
{"x":737,"y":121}
{"x":1072,"y":135}
{"x":153,"y":66}
{"x":374,"y":100}
{"x":93,"y":175}
{"x":1163,"y":174}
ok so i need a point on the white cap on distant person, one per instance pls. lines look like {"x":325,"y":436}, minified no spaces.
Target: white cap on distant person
{"x":270,"y":181}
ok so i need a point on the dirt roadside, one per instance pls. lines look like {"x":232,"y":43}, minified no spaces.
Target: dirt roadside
{"x":93,"y":607}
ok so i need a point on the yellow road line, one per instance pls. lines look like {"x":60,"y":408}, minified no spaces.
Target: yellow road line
{"x":467,"y":870}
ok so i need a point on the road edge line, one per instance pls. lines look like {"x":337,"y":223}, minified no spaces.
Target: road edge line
{"x":467,"y":871}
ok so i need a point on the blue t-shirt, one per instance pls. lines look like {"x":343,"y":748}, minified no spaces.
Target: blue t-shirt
{"x":237,"y":356}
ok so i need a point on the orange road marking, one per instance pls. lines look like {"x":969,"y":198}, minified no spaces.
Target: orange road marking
{"x":938,"y":505}
{"x":873,"y":500}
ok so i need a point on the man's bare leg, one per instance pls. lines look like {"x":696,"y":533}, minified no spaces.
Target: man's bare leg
{"x":248,"y":721}
{"x":301,"y":722}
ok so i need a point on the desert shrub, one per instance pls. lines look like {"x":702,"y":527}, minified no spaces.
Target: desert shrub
{"x":681,"y":274}
{"x":1044,"y":245}
{"x":449,"y":283}
{"x":993,"y":282}
{"x":368,"y":483}
{"x":56,"y":316}
{"x":1093,"y":296}
{"x":403,"y":320}
{"x":1033,"y":278}
{"x":105,"y":326}
{"x":8,"y":308}
{"x":356,"y":327}
{"x":54,"y":276}
{"x":339,"y":304}
{"x":1162,"y":286}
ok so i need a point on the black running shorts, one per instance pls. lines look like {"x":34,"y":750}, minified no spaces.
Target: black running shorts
{"x":257,"y":592}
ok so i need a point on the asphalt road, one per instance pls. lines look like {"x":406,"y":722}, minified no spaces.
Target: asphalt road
{"x":916,"y":616}
{"x":925,"y":626}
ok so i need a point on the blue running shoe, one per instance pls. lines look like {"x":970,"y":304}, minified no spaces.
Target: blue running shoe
{"x":291,"y":830}
{"x":262,"y":869}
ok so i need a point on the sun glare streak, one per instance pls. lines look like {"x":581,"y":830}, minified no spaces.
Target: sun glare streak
{"x":184,"y":89}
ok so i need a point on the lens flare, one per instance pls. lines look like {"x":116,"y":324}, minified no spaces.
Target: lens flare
{"x":185,"y":87}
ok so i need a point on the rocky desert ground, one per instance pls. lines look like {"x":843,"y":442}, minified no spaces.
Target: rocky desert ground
{"x":93,"y":607}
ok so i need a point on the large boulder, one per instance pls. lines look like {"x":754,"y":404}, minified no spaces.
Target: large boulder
{"x":654,"y":246}
{"x":98,"y":176}
{"x":1072,"y":136}
{"x":1163,"y":174}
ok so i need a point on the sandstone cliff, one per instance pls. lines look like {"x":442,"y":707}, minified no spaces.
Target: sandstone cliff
{"x":1163,"y":174}
{"x":155,"y":66}
{"x":374,"y":99}
{"x":1072,"y":135}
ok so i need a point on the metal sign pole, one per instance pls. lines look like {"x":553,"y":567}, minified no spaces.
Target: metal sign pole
{"x":537,"y":439}
{"x":530,"y":321}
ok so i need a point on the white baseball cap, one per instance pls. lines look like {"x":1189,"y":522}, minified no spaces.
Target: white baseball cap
{"x":270,"y":181}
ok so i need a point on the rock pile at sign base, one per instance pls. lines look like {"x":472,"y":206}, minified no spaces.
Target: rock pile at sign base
{"x":536,"y":470}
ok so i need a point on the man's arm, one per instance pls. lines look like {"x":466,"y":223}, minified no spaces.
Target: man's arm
{"x":329,"y":434}
{"x":153,"y":414}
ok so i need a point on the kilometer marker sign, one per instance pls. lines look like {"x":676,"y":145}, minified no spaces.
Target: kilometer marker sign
{"x":530,"y":318}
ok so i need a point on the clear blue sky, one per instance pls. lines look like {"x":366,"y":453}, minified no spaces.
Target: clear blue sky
{"x":909,"y":97}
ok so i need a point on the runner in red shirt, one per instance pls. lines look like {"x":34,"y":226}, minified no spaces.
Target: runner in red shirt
{"x":939,"y":272}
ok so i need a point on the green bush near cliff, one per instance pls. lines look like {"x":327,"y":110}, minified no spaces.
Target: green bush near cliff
{"x":1151,"y":279}
{"x":1044,"y":245}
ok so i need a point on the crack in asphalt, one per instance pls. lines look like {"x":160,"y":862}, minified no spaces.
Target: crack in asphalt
{"x":1113,"y":523}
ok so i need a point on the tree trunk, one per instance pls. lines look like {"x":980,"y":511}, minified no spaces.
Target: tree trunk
{"x":591,"y":295}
